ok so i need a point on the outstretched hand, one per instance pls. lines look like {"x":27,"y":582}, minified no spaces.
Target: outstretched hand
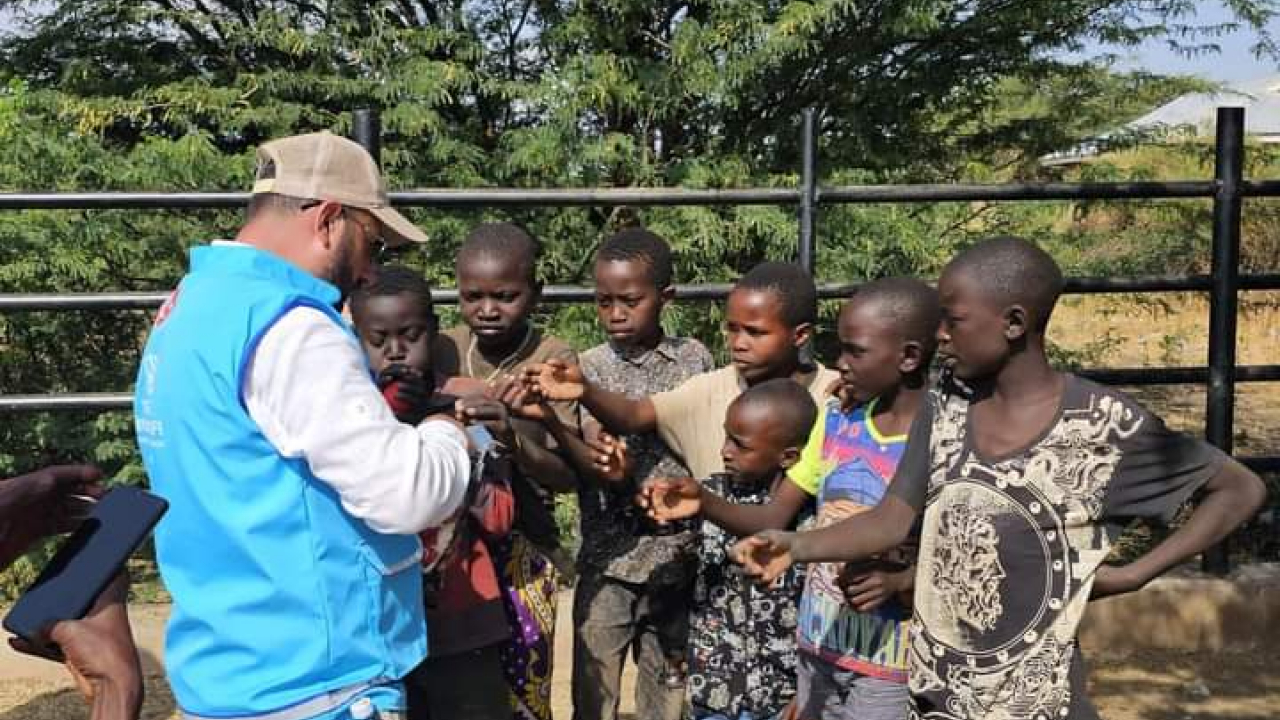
{"x":765,"y":555}
{"x":669,"y":499}
{"x":521,"y":400}
{"x":555,"y":379}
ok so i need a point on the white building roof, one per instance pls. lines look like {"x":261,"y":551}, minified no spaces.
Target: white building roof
{"x":1195,"y":114}
{"x":1198,"y":111}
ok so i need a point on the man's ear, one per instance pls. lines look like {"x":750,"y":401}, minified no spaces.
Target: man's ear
{"x":537,"y":291}
{"x":790,"y":457}
{"x":325,"y":214}
{"x":1016,"y":323}
{"x":911,"y":358}
{"x":802,"y":334}
{"x":666,"y":295}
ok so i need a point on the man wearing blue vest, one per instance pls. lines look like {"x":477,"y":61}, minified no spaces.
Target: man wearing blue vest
{"x":295,"y":496}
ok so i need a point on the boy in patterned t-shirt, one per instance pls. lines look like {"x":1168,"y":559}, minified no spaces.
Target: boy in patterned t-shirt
{"x":742,"y":651}
{"x":1025,"y":476}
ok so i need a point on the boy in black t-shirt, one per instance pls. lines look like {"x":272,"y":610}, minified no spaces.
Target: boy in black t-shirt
{"x":1025,"y":476}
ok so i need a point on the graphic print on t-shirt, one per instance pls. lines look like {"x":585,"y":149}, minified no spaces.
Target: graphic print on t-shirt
{"x":1008,"y":553}
{"x":857,"y":464}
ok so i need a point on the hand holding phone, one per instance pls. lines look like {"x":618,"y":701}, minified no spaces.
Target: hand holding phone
{"x":96,"y":551}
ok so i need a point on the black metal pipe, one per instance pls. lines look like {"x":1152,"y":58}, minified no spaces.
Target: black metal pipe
{"x":970,"y":192}
{"x":1223,"y":301}
{"x":1261,"y":464}
{"x":1177,"y":375}
{"x":1260,"y":188}
{"x":34,"y":302}
{"x":366,"y":129}
{"x":28,"y":302}
{"x":607,"y":197}
{"x":807,"y":250}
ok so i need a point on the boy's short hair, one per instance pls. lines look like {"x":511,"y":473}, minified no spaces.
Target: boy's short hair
{"x":503,"y":241}
{"x":793,"y":286}
{"x":1014,"y":271}
{"x":910,"y":304}
{"x":639,"y":245}
{"x":395,"y":280}
{"x":790,"y":405}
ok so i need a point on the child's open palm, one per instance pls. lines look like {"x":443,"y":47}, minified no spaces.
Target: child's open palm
{"x":669,"y":499}
{"x":556,"y":380}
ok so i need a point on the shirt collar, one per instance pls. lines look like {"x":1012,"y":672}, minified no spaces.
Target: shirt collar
{"x":664,"y":349}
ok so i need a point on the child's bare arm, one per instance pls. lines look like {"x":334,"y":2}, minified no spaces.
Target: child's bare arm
{"x":602,"y":457}
{"x":561,"y":380}
{"x":878,"y":530}
{"x":1231,"y":497}
{"x":777,"y":514}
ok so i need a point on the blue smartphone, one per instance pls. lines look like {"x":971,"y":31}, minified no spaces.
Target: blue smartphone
{"x":85,"y":564}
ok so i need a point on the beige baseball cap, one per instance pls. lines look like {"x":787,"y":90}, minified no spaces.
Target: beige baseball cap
{"x":324,"y":166}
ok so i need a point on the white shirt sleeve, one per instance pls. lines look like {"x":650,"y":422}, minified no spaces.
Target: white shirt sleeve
{"x":308,"y":388}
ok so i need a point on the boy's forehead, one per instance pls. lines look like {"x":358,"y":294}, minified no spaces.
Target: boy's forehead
{"x":401,"y":303}
{"x":629,"y":269}
{"x":759,"y":300}
{"x":512,"y":268}
{"x":962,"y":286}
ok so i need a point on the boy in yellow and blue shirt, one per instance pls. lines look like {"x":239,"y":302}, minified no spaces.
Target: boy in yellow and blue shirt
{"x":852,"y":629}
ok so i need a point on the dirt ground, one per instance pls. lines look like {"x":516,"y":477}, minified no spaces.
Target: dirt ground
{"x":1149,"y":686}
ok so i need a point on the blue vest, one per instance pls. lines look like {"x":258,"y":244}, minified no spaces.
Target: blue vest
{"x":279,"y":595}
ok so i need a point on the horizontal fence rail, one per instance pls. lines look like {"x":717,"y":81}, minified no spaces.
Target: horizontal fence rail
{"x":1226,"y":191}
{"x":34,"y":302}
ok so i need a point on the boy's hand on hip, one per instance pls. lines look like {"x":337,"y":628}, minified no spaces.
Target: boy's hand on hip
{"x":668,"y":499}
{"x":866,"y":591}
{"x":1114,"y":580}
{"x":556,"y":380}
{"x":765,"y":555}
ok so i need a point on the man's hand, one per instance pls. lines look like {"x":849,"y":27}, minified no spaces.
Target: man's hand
{"x":555,"y":380}
{"x":39,"y":504}
{"x":1113,"y":580}
{"x":866,"y":589}
{"x":668,"y":499}
{"x":765,"y":555}
{"x":609,"y":457}
{"x":101,"y":656}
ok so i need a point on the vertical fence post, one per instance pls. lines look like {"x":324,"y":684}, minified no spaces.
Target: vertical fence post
{"x":808,"y":192}
{"x":366,"y":129}
{"x":1223,"y":301}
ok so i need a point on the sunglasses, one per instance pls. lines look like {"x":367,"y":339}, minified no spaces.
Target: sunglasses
{"x":378,"y":249}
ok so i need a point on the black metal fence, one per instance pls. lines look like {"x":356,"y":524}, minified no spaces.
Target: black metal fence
{"x":1227,"y":190}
